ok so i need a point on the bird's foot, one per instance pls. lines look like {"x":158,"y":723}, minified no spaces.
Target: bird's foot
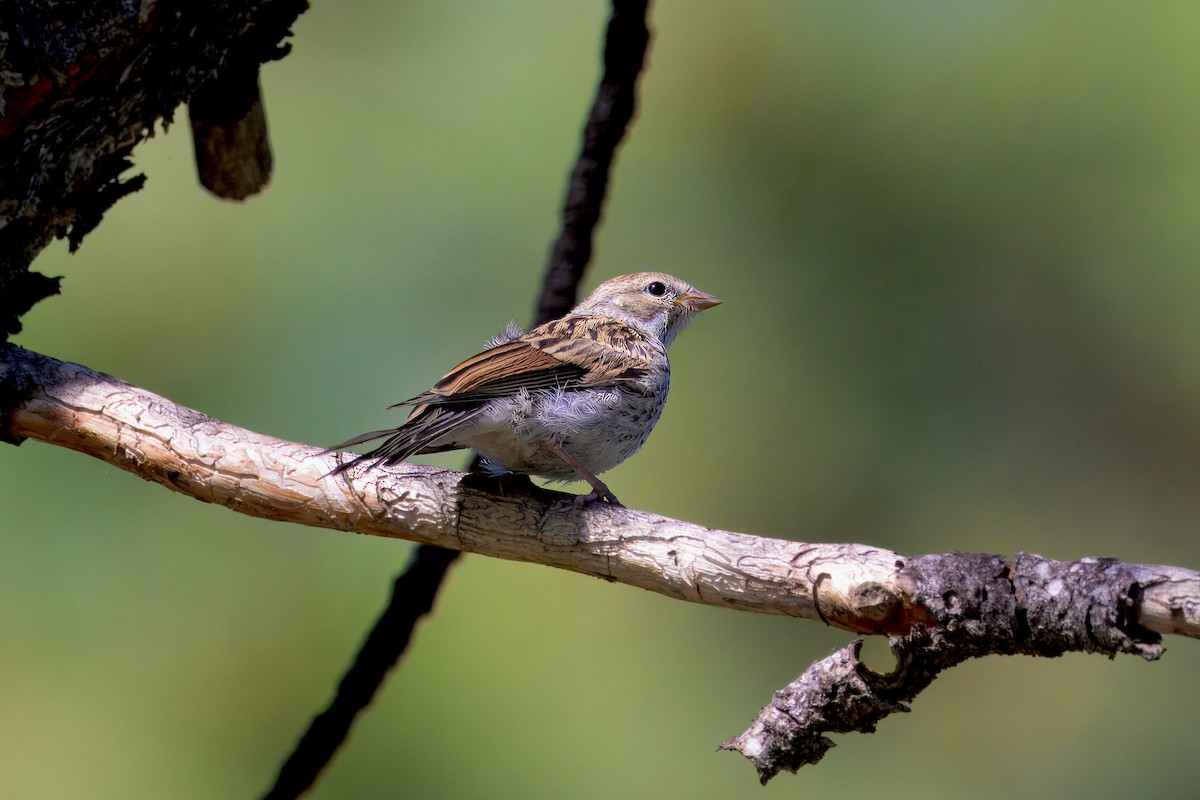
{"x":599,"y":490}
{"x":584,"y":500}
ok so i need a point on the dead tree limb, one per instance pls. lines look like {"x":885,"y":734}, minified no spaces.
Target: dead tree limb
{"x":613,"y":109}
{"x":939,"y":610}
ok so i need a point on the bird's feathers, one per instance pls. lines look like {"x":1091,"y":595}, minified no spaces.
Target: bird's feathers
{"x":410,"y":439}
{"x":562,"y":354}
{"x":500,"y":371}
{"x":572,"y":397}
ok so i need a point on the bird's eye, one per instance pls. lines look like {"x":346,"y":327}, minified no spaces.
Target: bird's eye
{"x":657,"y":288}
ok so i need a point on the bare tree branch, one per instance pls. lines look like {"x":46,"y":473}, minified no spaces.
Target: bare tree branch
{"x":940,"y":609}
{"x":413,"y":593}
{"x":143,"y":433}
{"x":978,"y":605}
{"x":625,"y":45}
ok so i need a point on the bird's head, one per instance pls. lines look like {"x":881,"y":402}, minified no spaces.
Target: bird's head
{"x":654,"y":302}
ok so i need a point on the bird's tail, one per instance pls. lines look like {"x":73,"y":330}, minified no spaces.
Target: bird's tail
{"x":414,"y":437}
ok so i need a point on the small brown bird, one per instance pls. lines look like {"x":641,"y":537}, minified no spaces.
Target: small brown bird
{"x":569,"y":399}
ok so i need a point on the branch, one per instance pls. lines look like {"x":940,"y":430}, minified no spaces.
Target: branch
{"x":625,"y":44}
{"x":939,"y":609}
{"x":977,"y":605}
{"x":413,"y":593}
{"x":71,"y":406}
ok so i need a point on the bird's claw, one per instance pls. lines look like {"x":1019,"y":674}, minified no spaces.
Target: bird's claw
{"x":584,"y":500}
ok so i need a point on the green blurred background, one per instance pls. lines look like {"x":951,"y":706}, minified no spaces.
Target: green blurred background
{"x":959,"y":248}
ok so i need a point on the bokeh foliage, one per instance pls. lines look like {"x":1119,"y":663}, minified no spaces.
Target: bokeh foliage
{"x":960,"y":253}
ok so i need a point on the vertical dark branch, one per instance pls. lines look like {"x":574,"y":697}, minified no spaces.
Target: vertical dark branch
{"x":413,"y":594}
{"x":625,"y":47}
{"x":416,"y":589}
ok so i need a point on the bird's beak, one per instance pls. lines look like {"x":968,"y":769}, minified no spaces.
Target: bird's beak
{"x":697,"y":301}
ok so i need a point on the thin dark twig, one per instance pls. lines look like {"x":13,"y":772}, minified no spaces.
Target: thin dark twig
{"x":625,"y":46}
{"x":416,"y":589}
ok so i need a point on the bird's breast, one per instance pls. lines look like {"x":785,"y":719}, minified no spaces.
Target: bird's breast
{"x":601,"y":427}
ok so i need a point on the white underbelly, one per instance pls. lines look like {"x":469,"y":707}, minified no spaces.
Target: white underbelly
{"x":599,"y":427}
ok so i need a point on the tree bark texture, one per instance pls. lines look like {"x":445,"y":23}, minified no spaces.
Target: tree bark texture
{"x":82,"y":83}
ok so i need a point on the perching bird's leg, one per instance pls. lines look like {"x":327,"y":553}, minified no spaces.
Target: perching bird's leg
{"x":599,"y":490}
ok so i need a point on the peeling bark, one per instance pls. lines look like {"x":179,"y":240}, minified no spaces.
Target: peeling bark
{"x":976,"y":605}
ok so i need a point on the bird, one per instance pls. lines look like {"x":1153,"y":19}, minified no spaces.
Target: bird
{"x":570,"y":399}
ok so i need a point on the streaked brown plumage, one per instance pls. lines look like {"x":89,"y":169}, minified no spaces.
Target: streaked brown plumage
{"x":571,"y":398}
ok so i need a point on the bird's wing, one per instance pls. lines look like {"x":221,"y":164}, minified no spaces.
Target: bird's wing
{"x":582,"y":351}
{"x":612,"y":351}
{"x":499,"y":372}
{"x":565,"y":353}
